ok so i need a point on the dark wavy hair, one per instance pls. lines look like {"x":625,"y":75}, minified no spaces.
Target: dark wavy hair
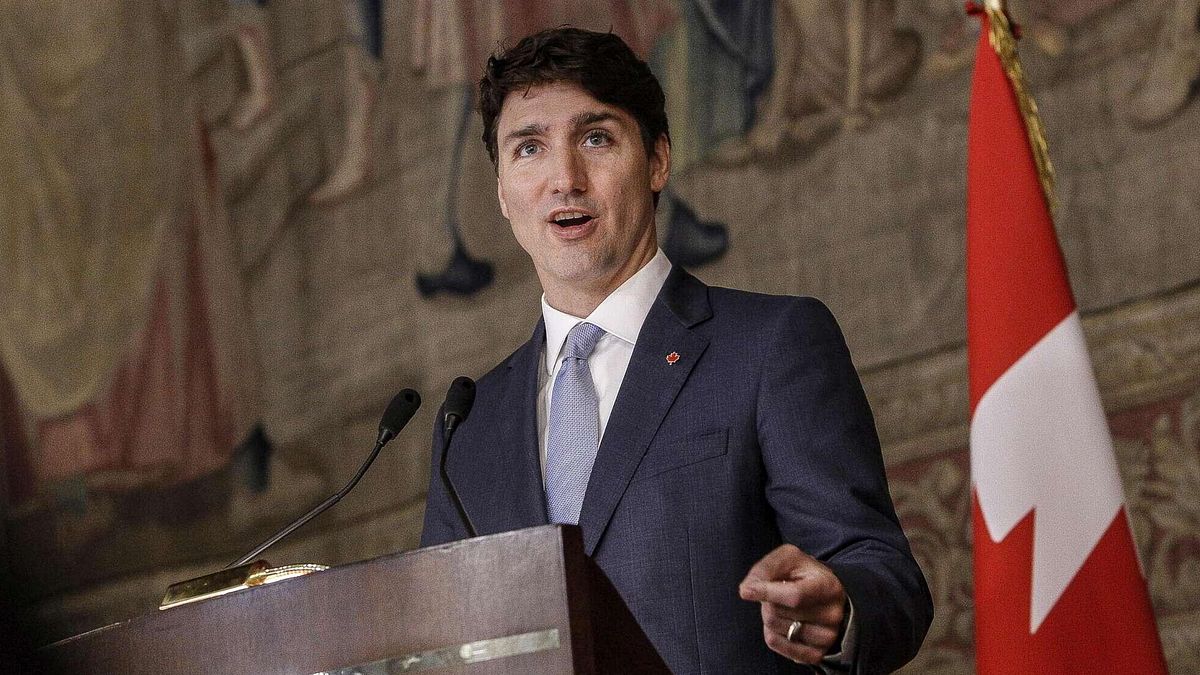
{"x":601,"y":63}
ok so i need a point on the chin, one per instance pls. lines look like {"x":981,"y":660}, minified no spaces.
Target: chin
{"x":575,"y":264}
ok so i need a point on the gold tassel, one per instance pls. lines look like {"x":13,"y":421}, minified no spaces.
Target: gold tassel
{"x":1001,"y":37}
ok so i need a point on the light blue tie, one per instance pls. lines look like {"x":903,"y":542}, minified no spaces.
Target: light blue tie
{"x":574,"y":434}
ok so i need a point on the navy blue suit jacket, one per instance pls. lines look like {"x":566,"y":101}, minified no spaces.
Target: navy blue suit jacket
{"x":758,"y":434}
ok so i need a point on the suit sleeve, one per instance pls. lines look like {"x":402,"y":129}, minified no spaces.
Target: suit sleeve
{"x":826,"y":483}
{"x":441,"y":518}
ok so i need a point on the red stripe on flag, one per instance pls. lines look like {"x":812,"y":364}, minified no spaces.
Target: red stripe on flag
{"x":1103,"y":623}
{"x":1017,"y":286}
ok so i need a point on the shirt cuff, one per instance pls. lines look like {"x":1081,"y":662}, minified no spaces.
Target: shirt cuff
{"x":843,"y":658}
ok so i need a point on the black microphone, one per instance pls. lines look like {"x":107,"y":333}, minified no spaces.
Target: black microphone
{"x":459,"y":400}
{"x":401,"y":409}
{"x":403,"y":406}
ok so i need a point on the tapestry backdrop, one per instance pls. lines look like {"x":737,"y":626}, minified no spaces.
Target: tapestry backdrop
{"x":231,"y":229}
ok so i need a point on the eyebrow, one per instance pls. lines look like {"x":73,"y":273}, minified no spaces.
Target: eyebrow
{"x":524,"y":132}
{"x":583,"y":119}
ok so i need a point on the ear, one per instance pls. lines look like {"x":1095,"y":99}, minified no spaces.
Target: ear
{"x":660,"y":164}
{"x":500,"y":196}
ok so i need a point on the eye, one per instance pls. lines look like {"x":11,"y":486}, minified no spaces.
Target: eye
{"x":527,"y":149}
{"x":597,"y":138}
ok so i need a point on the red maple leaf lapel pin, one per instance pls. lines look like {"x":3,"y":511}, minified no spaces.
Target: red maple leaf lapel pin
{"x":672,"y":358}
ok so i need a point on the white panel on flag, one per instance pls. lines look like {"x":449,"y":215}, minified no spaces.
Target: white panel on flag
{"x":1040,"y":441}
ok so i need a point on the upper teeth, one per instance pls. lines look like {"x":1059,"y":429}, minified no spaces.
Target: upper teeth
{"x":569,"y":215}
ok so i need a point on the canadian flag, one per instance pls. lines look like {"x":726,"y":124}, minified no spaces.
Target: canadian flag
{"x":1058,"y":585}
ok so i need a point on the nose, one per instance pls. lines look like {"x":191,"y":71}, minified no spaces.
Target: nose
{"x":570,"y":173}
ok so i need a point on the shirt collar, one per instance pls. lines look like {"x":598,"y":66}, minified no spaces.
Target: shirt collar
{"x":621,"y":314}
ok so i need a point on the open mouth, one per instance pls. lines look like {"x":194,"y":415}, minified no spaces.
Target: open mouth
{"x":571,"y":219}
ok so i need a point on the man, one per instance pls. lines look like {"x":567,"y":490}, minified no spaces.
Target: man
{"x":714,"y":445}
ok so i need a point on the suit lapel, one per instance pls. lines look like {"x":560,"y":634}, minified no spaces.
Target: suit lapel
{"x":651,"y":384}
{"x":501,"y":482}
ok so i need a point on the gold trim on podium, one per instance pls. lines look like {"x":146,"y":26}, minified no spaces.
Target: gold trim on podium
{"x":457,"y":655}
{"x":233,"y":579}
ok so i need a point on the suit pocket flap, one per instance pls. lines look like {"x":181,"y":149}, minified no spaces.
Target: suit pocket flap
{"x":676,"y":454}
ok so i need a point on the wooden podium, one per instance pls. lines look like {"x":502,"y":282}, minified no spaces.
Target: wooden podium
{"x":527,"y":601}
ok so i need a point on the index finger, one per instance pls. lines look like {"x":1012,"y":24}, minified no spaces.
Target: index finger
{"x":796,"y":594}
{"x":778,"y":564}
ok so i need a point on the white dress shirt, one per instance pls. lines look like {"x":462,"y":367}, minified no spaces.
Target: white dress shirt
{"x":621,"y":315}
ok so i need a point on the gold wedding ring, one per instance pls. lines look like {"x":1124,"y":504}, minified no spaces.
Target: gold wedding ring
{"x":793,"y":634}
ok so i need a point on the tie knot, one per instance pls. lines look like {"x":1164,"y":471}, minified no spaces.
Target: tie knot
{"x":582,"y":340}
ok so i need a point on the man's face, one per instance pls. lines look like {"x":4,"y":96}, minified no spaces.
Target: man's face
{"x":574,"y":181}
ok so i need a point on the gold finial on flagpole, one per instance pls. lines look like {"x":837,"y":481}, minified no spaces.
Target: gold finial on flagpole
{"x":997,"y":5}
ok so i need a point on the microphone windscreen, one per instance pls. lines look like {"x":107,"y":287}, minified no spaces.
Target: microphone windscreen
{"x":460,"y":398}
{"x":403,"y":406}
